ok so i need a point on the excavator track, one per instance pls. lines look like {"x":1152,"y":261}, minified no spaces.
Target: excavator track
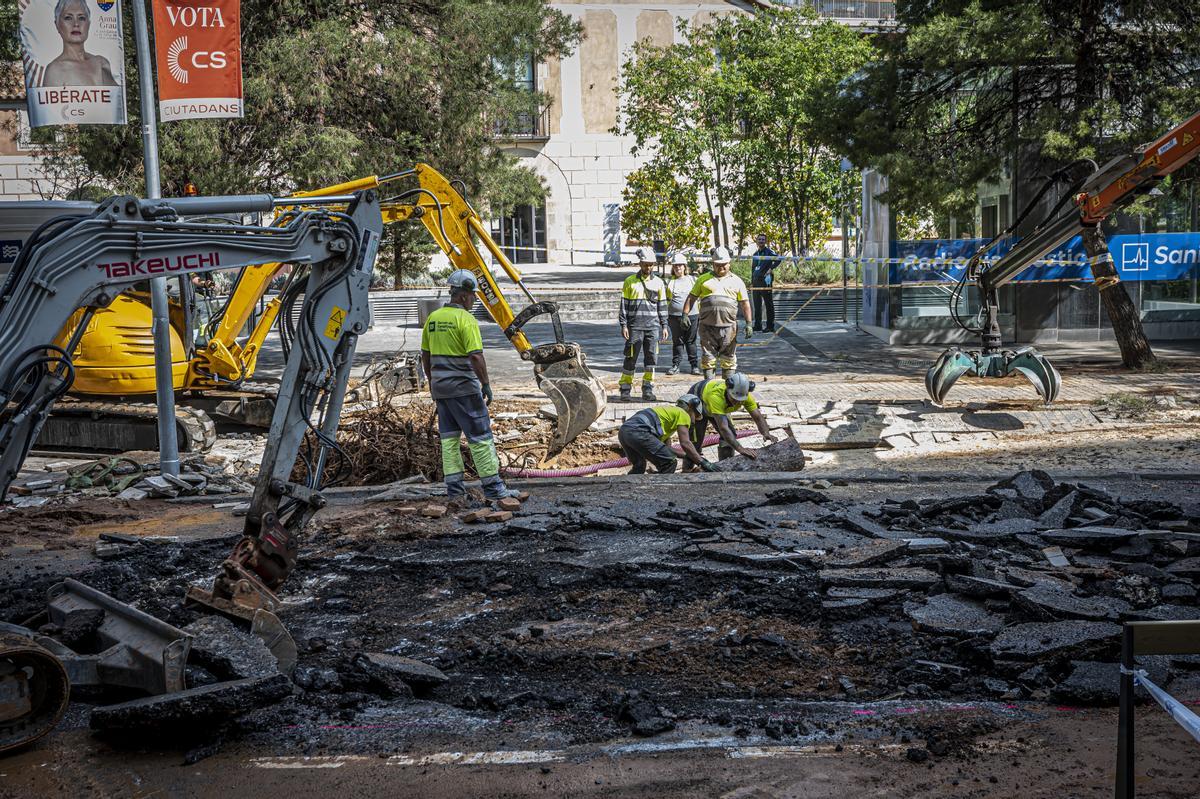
{"x":103,"y":427}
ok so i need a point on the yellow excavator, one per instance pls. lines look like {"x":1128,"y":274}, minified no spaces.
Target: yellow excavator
{"x":114,"y":359}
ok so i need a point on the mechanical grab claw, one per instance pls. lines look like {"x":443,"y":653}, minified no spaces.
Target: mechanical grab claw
{"x":955,"y":362}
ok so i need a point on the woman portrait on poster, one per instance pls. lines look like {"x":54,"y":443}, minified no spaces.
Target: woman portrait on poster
{"x":76,"y":66}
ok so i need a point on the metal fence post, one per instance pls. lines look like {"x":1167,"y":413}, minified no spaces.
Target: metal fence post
{"x":1125,"y":751}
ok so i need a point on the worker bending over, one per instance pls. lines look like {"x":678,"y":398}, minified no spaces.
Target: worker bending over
{"x":643,"y":319}
{"x":452,"y":357}
{"x":645,"y":436}
{"x":721,"y":295}
{"x":720,"y":398}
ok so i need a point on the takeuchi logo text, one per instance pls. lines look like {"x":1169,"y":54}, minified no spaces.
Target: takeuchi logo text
{"x":161,"y":266}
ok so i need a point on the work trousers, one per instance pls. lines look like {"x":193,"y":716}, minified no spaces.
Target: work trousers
{"x":458,"y":416}
{"x":764,"y":303}
{"x":684,"y":340}
{"x":700,"y":429}
{"x":719,"y":345}
{"x":645,"y":343}
{"x":640,"y":444}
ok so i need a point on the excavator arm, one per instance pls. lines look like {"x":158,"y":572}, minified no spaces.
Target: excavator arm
{"x":1104,"y":192}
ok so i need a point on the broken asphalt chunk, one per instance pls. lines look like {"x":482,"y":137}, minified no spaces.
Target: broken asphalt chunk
{"x":868,"y":554}
{"x":879,"y":578}
{"x":228,"y":651}
{"x":1105,"y":538}
{"x":1031,"y":486}
{"x":1047,"y":601}
{"x":794,"y":494}
{"x":947,"y":614}
{"x":393,"y":670}
{"x":183,"y":711}
{"x":1042,"y":641}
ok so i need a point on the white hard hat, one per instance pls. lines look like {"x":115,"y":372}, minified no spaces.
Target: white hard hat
{"x":739,"y":386}
{"x":720,"y":255}
{"x":463,"y":279}
{"x":645,"y":255}
{"x":679,"y":258}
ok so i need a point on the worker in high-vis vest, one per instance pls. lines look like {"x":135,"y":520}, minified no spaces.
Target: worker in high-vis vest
{"x":720,"y":398}
{"x":646,"y":436}
{"x":721,"y":294}
{"x":643,"y":321}
{"x":452,"y":357}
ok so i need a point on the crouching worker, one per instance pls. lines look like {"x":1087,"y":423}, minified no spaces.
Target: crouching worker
{"x":452,"y":357}
{"x":645,"y":436}
{"x":719,"y":398}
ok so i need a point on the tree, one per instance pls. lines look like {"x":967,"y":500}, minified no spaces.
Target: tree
{"x":343,"y":88}
{"x":974,"y":87}
{"x":680,"y":106}
{"x":657,"y":206}
{"x":731,"y":112}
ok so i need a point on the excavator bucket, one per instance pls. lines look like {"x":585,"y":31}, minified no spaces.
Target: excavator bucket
{"x":578,"y":398}
{"x":1031,"y":363}
{"x":954,"y":363}
{"x":951,"y":365}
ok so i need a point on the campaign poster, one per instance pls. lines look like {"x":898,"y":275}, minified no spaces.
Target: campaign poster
{"x":199,"y":49}
{"x":74,"y":61}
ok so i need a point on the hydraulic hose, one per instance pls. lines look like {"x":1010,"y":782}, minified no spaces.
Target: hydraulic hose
{"x":584,"y":471}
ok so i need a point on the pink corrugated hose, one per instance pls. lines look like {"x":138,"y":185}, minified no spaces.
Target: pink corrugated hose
{"x":583,"y":471}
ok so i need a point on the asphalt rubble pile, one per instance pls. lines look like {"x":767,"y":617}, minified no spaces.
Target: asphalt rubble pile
{"x":1021,"y":588}
{"x":132,"y":476}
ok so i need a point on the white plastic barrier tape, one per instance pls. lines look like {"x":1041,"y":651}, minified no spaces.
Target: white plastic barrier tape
{"x":1181,"y":713}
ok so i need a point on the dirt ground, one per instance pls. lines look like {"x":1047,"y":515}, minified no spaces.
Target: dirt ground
{"x":555,"y":639}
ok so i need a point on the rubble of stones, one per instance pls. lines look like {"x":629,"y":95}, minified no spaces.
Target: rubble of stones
{"x":127,"y":478}
{"x":1024,"y":586}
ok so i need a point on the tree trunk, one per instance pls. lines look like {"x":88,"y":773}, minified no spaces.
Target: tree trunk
{"x":712,"y":218}
{"x":1126,"y":321}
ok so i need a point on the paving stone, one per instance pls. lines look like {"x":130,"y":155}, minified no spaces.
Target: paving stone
{"x":193,"y":708}
{"x":388,"y":668}
{"x":226,"y":650}
{"x":947,"y":614}
{"x":1055,"y":603}
{"x":980,"y":587}
{"x":870,"y":553}
{"x":879,"y":578}
{"x":1104,"y":538}
{"x":1056,"y":558}
{"x":509,"y":503}
{"x":497,"y":516}
{"x":433,"y":511}
{"x":1042,"y":641}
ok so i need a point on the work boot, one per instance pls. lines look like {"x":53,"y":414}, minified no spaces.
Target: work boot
{"x":504,"y":493}
{"x":626,"y":394}
{"x":648,"y":394}
{"x":696,"y":370}
{"x":674,"y":370}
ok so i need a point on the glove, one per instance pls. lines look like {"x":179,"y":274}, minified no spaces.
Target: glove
{"x":685,"y":323}
{"x":749,"y":332}
{"x":487,"y":393}
{"x":707,"y":466}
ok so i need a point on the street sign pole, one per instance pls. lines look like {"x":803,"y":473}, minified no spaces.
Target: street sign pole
{"x":168,"y":445}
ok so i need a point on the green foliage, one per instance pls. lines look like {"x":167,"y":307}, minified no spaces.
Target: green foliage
{"x":657,"y":206}
{"x":731,"y":112}
{"x":344,"y":88}
{"x":935,"y":110}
